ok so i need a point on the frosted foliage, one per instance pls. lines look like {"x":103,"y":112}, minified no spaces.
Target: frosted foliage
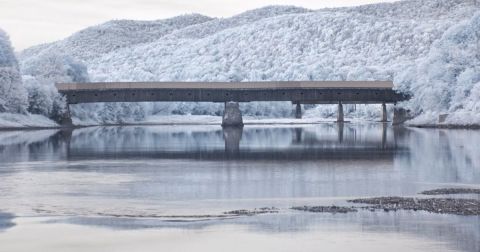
{"x":216,"y":25}
{"x":427,"y":47}
{"x":110,"y":36}
{"x":40,"y":75}
{"x":43,"y":97}
{"x":7,"y":56}
{"x":448,"y":79}
{"x":55,"y":67}
{"x":108,"y":113}
{"x":13,"y":97}
{"x":416,"y":9}
{"x":322,"y":45}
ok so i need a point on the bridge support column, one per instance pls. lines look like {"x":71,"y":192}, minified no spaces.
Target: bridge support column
{"x":232,"y":116}
{"x":298,"y":111}
{"x":384,"y":113}
{"x":340,"y":118}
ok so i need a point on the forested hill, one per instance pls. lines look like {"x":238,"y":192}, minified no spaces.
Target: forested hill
{"x":427,"y":47}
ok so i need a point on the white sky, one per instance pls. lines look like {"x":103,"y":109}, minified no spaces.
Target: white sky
{"x":31,"y":22}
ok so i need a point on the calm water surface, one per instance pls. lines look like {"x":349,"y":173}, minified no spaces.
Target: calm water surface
{"x":150,"y":188}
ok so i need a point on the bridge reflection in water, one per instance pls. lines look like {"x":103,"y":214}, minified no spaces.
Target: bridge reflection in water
{"x":326,"y":141}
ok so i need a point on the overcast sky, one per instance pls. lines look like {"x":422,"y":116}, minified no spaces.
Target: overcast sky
{"x":31,"y":22}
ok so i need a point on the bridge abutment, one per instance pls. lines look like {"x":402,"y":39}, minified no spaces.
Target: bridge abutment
{"x":232,"y":116}
{"x":340,"y":117}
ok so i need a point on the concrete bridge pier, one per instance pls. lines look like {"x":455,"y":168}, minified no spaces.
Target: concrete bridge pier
{"x":298,"y":111}
{"x":340,"y":117}
{"x":384,"y":113}
{"x":232,"y":116}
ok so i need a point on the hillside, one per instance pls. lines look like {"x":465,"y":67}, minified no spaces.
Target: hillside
{"x":110,"y":36}
{"x":422,"y":45}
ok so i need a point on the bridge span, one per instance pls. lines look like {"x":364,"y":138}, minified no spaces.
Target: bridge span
{"x":231,"y":93}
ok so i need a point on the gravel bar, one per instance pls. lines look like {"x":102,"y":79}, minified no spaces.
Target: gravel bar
{"x":325,"y":209}
{"x":466,"y":207}
{"x":444,"y":191}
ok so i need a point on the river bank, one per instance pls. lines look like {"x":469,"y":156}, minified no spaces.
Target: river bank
{"x":9,"y":122}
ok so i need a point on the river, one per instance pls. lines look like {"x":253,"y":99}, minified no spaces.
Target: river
{"x":167,"y":188}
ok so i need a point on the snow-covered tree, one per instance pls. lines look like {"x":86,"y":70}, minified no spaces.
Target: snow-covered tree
{"x":55,"y":67}
{"x":447,"y":80}
{"x":13,"y":97}
{"x":40,"y":75}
